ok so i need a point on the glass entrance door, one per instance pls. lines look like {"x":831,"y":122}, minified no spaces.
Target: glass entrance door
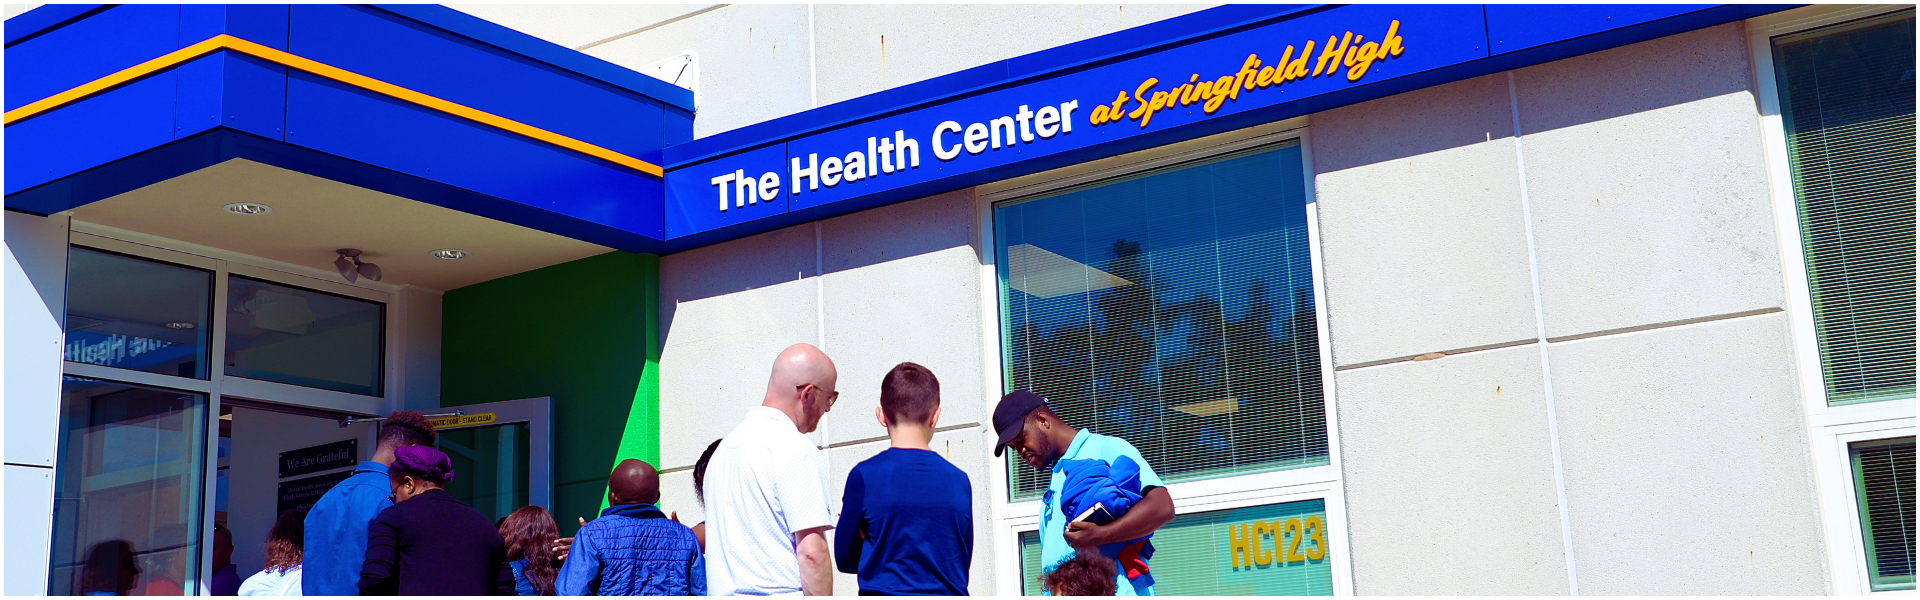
{"x":502,"y":454}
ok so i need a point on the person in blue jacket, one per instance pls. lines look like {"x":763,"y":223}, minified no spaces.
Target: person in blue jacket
{"x":633,"y":549}
{"x":336,"y":536}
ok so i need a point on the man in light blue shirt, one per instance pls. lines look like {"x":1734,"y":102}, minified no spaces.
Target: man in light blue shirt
{"x":1029,"y":426}
{"x":336,"y":528}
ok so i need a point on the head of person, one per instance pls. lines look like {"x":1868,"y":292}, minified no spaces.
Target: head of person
{"x":222,"y":546}
{"x":530,"y":532}
{"x":633,"y":482}
{"x":909,"y":394}
{"x":1086,"y":574}
{"x":803,"y":385}
{"x":110,"y":568}
{"x":417,"y":469}
{"x":404,"y":428}
{"x":700,"y":473}
{"x":1028,"y":425}
{"x":285,"y":539}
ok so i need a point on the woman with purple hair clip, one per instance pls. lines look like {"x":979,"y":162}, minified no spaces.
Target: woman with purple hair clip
{"x":428,"y":543}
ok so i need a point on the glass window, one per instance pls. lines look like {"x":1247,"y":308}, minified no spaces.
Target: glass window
{"x":126,"y":518}
{"x":302,"y":337}
{"x":1273,"y":550}
{"x":1173,"y":309}
{"x":1883,"y":481}
{"x":138,"y":314}
{"x":493,"y":464}
{"x":1847,"y":99}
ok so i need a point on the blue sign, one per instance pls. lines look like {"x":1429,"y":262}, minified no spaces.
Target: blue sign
{"x":1256,"y":68}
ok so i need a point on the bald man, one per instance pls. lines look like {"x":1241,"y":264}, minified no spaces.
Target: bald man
{"x":633,"y":549}
{"x":766,"y":487}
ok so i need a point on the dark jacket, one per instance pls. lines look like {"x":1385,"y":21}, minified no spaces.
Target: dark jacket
{"x":633,"y":550}
{"x":432,"y":545}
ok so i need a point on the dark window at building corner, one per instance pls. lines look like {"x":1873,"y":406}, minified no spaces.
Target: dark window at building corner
{"x":1173,"y":309}
{"x":1847,"y":102}
{"x":137,"y":314}
{"x":1883,"y":482}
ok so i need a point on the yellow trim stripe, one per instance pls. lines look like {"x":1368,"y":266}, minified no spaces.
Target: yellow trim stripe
{"x":228,"y":42}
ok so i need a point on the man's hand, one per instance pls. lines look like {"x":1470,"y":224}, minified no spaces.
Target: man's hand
{"x":563,"y":546}
{"x":1085,"y":534}
{"x":1152,"y":512}
{"x":816,"y":561}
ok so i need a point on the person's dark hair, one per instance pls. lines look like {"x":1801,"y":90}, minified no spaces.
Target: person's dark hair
{"x":530,"y":533}
{"x":406,"y":428}
{"x":1083,"y":575}
{"x":110,"y":568}
{"x":909,"y":393}
{"x":284,"y":541}
{"x":700,"y":473}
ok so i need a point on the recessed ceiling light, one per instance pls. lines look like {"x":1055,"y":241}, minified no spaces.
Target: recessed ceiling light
{"x":449,"y":253}
{"x":249,"y":208}
{"x":182,"y":325}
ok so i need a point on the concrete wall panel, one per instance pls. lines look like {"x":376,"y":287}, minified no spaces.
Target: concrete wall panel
{"x":36,"y":299}
{"x":1687,"y":462}
{"x":727,"y":311}
{"x":868,"y":48}
{"x":902,"y":285}
{"x":29,"y":529}
{"x":753,"y":61}
{"x":1420,"y":223}
{"x":1449,"y":470}
{"x":1648,"y":184}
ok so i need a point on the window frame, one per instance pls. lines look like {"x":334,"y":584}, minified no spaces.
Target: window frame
{"x":1323,"y":482}
{"x":1830,"y":429}
{"x":218,"y":384}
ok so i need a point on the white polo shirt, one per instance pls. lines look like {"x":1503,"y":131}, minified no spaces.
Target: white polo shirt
{"x":765,"y":483}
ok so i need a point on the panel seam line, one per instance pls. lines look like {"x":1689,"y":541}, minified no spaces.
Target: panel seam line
{"x":1540,"y":331}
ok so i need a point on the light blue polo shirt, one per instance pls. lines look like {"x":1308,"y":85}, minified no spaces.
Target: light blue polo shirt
{"x":1053,"y":523}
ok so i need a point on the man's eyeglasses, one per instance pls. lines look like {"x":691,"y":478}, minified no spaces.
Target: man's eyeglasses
{"x":831,"y":397}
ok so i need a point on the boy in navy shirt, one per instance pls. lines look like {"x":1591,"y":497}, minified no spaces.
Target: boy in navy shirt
{"x":906,"y":520}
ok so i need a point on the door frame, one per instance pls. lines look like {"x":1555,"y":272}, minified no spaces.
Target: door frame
{"x":537,"y":413}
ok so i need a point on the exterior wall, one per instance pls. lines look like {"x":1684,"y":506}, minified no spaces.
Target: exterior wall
{"x":36,"y":293}
{"x":760,"y":62}
{"x":892,"y":284}
{"x":577,"y":332}
{"x":1660,"y":298}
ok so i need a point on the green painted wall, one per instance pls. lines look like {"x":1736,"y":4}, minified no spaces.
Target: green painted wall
{"x":584,"y":333}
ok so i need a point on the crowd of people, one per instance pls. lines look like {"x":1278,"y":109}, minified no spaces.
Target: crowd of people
{"x":905,"y":524}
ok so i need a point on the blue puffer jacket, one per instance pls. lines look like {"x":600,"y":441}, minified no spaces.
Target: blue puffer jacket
{"x":633,"y":550}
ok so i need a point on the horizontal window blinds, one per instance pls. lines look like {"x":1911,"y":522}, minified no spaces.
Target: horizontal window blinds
{"x":1272,"y":550}
{"x":1883,"y":479}
{"x":1173,"y":309}
{"x":1030,"y":583}
{"x":1847,"y":98}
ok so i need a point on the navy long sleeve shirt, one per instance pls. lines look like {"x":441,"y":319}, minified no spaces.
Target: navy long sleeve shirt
{"x":906,"y":521}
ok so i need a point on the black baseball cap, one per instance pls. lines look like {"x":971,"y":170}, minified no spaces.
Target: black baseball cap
{"x":1011,"y":415}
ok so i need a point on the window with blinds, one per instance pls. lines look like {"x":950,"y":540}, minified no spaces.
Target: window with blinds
{"x":1173,"y":309}
{"x":1272,"y":550}
{"x":1883,"y":481}
{"x":1847,"y":101}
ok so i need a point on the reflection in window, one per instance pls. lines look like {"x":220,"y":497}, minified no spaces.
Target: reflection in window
{"x":1173,"y":309}
{"x":302,"y":337}
{"x":137,"y":314}
{"x":127,"y":491}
